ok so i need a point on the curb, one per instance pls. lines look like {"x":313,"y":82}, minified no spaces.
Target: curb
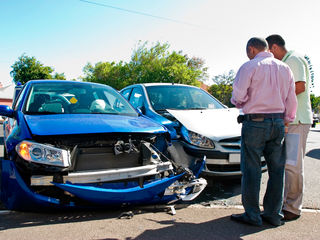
{"x":307,"y":210}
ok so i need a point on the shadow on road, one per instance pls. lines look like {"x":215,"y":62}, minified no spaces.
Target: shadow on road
{"x":14,"y":220}
{"x":220,"y":228}
{"x":219,"y":189}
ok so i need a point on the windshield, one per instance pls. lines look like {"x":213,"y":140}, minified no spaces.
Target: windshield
{"x":75,"y":98}
{"x":180,"y":97}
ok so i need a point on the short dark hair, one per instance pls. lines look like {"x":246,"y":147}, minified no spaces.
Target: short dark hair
{"x":276,"y":39}
{"x":258,"y":43}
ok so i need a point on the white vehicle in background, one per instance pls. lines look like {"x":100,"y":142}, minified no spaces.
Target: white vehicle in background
{"x":199,"y":124}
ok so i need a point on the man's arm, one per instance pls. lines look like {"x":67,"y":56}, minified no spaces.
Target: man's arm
{"x":291,"y":101}
{"x":240,"y":87}
{"x":300,"y":87}
{"x":299,"y":72}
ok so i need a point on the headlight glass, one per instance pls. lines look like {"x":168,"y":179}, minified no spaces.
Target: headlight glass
{"x":44,"y":154}
{"x":197,"y":139}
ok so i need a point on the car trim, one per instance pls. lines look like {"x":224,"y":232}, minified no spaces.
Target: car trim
{"x":209,"y":173}
{"x":105,"y":175}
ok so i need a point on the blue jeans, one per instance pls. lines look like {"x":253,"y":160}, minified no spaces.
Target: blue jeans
{"x":262,"y":138}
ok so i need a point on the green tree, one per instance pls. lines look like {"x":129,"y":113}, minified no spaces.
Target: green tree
{"x":59,"y":76}
{"x":222,"y":87}
{"x":29,"y":68}
{"x":315,"y":103}
{"x":154,"y":64}
{"x":115,"y":75}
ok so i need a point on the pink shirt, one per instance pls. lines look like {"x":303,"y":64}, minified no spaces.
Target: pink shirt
{"x":265,"y":85}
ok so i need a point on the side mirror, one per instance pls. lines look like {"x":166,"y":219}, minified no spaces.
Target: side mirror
{"x":6,"y":111}
{"x":141,"y":110}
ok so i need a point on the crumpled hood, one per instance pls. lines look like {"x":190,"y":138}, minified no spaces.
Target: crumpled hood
{"x":62,"y":124}
{"x":215,"y":124}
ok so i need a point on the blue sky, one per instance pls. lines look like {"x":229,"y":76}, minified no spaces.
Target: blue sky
{"x":67,"y":34}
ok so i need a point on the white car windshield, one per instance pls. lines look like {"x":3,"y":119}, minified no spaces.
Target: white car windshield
{"x":75,"y":98}
{"x":181,"y":97}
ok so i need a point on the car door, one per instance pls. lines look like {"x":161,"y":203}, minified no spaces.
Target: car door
{"x":136,"y":98}
{"x":126,"y":93}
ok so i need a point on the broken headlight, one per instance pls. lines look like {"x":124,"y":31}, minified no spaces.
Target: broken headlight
{"x":44,"y":154}
{"x":197,"y":139}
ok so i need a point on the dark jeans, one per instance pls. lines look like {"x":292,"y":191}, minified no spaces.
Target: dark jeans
{"x":262,"y":138}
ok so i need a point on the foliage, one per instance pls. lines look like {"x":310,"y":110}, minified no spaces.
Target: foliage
{"x":29,"y":68}
{"x":154,"y":64}
{"x":106,"y":73}
{"x":222,"y":87}
{"x":59,"y":76}
{"x":315,"y":103}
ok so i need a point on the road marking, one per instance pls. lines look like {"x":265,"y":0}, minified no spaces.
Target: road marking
{"x":307,"y":210}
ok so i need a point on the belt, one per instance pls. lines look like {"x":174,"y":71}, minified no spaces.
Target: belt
{"x":249,"y":117}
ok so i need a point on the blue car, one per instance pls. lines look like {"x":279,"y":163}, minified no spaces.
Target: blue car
{"x":71,"y":144}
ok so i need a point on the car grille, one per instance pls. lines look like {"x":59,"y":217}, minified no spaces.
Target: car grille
{"x":223,"y":168}
{"x":106,"y":151}
{"x":104,"y":158}
{"x":228,"y":167}
{"x":231,"y":143}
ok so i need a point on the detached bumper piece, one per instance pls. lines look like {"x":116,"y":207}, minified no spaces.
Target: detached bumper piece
{"x":86,"y":188}
{"x":133,"y":195}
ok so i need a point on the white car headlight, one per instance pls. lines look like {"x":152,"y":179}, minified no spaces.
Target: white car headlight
{"x":197,"y":139}
{"x":44,"y":154}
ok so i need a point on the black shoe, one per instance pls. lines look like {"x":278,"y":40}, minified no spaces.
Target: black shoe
{"x":243,"y":218}
{"x":289,"y":216}
{"x":271,"y":221}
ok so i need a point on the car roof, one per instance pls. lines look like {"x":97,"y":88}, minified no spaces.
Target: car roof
{"x":64,"y":81}
{"x":166,"y":84}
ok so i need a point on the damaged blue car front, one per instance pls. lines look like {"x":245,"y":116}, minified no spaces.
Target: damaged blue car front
{"x":73,"y":144}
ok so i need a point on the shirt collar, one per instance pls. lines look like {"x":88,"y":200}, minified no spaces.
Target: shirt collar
{"x":286,"y":56}
{"x":264,"y":54}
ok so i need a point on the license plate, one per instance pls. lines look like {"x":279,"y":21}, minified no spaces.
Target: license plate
{"x":234,"y":158}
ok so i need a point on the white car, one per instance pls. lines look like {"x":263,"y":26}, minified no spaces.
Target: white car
{"x":199,"y":124}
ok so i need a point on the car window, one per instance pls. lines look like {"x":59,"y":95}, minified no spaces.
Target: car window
{"x":126,"y":93}
{"x":17,"y":100}
{"x":75,"y":98}
{"x":136,"y":98}
{"x":180,"y":97}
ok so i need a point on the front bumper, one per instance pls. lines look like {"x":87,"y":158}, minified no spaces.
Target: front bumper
{"x":103,"y":175}
{"x":218,"y":163}
{"x":17,"y":194}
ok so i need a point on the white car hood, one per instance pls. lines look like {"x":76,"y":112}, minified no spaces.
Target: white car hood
{"x":215,"y":124}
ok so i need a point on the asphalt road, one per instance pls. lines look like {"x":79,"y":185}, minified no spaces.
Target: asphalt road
{"x":222,"y":192}
{"x":206,"y":218}
{"x":227,"y":192}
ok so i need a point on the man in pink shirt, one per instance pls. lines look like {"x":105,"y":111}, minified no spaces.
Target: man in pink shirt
{"x":264,"y":89}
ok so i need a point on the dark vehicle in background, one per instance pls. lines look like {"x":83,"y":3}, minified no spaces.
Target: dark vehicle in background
{"x":199,"y":124}
{"x":71,"y":144}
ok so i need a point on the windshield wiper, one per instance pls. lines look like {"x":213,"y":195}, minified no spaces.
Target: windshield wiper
{"x":41,"y":113}
{"x":196,"y":108}
{"x":103,"y":113}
